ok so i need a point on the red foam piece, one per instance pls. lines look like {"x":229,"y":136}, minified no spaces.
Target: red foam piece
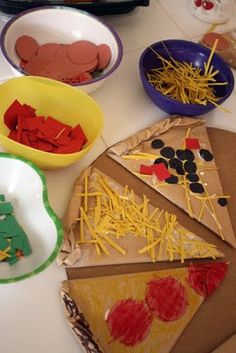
{"x":146,"y":169}
{"x":166,"y":298}
{"x":78,"y":133}
{"x":64,"y":138}
{"x":47,"y":131}
{"x":32,"y":136}
{"x":74,"y":146}
{"x":206,"y":277}
{"x":52,"y":128}
{"x":24,"y":138}
{"x":45,"y":146}
{"x":19,"y":127}
{"x":161,"y":171}
{"x":37,"y":132}
{"x":192,"y":143}
{"x":30,"y":109}
{"x":35,"y":123}
{"x":13,"y":135}
{"x":15,"y":109}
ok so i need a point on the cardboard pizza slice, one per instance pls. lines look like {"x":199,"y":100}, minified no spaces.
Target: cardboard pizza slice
{"x":174,"y":157}
{"x":140,"y":312}
{"x":106,"y":223}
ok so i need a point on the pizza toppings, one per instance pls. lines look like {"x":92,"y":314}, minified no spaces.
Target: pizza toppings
{"x":161,"y":171}
{"x":192,"y":143}
{"x":14,"y":242}
{"x":26,"y":47}
{"x":175,"y":163}
{"x":222,"y":201}
{"x":44,"y":133}
{"x":190,"y":167}
{"x":182,"y":81}
{"x":166,"y":298}
{"x":129,"y":321}
{"x":192,"y":177}
{"x":157,"y":143}
{"x":167,"y":152}
{"x":73,"y":63}
{"x":173,"y":179}
{"x":196,"y":188}
{"x":206,"y":155}
{"x":185,"y":155}
{"x":161,"y":160}
{"x":206,"y":277}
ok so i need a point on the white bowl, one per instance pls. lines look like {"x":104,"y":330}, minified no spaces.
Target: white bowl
{"x":61,"y":25}
{"x":24,"y":185}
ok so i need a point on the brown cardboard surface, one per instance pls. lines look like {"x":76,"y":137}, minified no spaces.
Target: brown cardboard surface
{"x":228,"y":346}
{"x":215,"y":321}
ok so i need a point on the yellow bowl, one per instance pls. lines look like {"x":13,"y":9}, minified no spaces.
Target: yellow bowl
{"x":50,"y":98}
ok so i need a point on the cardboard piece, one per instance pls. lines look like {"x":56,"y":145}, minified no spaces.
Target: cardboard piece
{"x":137,"y":149}
{"x":146,"y":296}
{"x":219,"y":313}
{"x":227,"y":347}
{"x":228,"y":52}
{"x":102,"y":209}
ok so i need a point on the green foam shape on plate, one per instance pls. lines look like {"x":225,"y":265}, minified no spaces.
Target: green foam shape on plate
{"x":2,"y":197}
{"x":6,"y":208}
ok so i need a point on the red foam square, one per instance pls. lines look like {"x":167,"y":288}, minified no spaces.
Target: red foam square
{"x":192,"y":143}
{"x":74,"y":146}
{"x":19,"y":127}
{"x":161,"y":171}
{"x":15,"y":109}
{"x":24,"y":138}
{"x":32,"y":136}
{"x":35,"y":123}
{"x":78,"y":133}
{"x":13,"y":135}
{"x":45,"y":146}
{"x":146,"y":169}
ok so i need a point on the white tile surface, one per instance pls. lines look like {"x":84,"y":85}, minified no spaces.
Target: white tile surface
{"x":32,"y":317}
{"x":60,"y":182}
{"x":126,"y":106}
{"x":143,"y":26}
{"x":180,"y":14}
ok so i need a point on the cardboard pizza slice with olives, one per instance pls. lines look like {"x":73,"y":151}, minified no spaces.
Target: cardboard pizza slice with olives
{"x":175,"y":158}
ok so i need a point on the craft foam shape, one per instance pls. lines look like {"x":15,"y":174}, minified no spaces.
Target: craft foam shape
{"x":93,"y":192}
{"x":136,"y":150}
{"x":91,"y":302}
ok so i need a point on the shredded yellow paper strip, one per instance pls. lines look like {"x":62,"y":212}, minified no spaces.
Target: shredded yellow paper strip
{"x":112,"y":215}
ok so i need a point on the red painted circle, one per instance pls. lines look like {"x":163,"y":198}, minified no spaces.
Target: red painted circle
{"x":166,"y":298}
{"x":26,"y":47}
{"x":209,"y":40}
{"x":205,"y":278}
{"x":82,"y":52}
{"x":129,"y":321}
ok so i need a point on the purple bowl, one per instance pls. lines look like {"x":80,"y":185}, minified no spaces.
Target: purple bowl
{"x":182,"y":50}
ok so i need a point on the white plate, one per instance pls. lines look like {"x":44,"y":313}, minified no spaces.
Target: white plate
{"x":24,"y":185}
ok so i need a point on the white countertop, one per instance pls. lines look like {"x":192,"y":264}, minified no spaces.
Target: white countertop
{"x":31,"y":314}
